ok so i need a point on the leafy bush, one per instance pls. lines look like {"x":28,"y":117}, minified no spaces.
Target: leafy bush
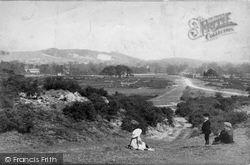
{"x":236,"y":117}
{"x":130,"y":124}
{"x":168,"y":112}
{"x":6,"y":100}
{"x":112,"y":108}
{"x":21,"y":118}
{"x":218,"y":95}
{"x":90,"y":90}
{"x":190,"y":93}
{"x":140,"y":110}
{"x":18,"y":83}
{"x":12,"y":86}
{"x":183,"y":111}
{"x":152,"y":116}
{"x":61,"y":83}
{"x":196,"y":117}
{"x":80,"y":111}
{"x":98,"y":102}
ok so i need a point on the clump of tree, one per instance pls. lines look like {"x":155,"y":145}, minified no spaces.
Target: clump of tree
{"x":117,"y":71}
{"x":210,"y":73}
{"x":174,"y":69}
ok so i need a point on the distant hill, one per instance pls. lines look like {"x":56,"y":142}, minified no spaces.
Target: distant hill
{"x":70,"y":55}
{"x":178,"y":61}
{"x":61,"y":56}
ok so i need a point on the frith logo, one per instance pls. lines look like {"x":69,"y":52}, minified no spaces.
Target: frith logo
{"x":211,"y":27}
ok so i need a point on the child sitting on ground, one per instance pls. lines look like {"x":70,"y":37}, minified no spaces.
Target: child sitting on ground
{"x":137,"y":143}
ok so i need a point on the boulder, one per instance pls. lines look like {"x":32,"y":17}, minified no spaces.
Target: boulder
{"x":80,"y":98}
{"x":70,"y":97}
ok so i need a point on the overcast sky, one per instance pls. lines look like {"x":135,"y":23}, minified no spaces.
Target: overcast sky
{"x":146,"y":30}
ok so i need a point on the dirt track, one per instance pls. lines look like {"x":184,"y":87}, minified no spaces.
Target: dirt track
{"x":189,"y":83}
{"x":172,"y":97}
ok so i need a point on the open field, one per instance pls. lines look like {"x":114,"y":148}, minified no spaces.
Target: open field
{"x":134,"y":82}
{"x":167,"y":96}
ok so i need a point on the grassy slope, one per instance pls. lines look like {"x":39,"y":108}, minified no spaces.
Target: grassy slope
{"x":181,"y":151}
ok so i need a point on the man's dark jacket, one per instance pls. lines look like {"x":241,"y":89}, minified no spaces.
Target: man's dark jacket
{"x":206,"y":127}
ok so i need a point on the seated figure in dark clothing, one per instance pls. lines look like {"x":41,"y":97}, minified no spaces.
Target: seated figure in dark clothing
{"x":225,"y":136}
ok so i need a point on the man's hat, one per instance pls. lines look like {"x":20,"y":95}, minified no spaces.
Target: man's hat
{"x":137,"y":132}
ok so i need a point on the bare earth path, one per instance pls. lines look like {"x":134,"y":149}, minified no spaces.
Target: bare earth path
{"x":189,"y":82}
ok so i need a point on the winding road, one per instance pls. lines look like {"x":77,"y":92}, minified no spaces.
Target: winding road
{"x":172,"y":97}
{"x":189,"y":83}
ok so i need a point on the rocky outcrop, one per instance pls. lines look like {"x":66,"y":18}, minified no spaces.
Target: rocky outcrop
{"x":55,"y":99}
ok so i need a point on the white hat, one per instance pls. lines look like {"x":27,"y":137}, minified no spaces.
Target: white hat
{"x":137,"y":132}
{"x":228,"y":125}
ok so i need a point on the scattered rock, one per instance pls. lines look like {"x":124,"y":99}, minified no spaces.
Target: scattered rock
{"x":52,"y":99}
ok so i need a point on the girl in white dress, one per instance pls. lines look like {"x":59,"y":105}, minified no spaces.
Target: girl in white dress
{"x":137,"y":143}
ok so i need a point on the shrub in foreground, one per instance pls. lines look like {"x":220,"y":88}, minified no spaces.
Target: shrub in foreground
{"x":80,"y":111}
{"x":142,"y":111}
{"x":130,"y":123}
{"x":168,"y":112}
{"x":21,"y":118}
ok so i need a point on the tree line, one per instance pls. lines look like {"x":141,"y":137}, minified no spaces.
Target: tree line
{"x":117,"y":71}
{"x":74,"y":68}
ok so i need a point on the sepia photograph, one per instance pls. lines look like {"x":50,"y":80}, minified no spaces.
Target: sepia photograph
{"x":125,"y":82}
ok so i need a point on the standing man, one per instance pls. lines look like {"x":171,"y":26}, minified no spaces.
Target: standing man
{"x":206,"y":128}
